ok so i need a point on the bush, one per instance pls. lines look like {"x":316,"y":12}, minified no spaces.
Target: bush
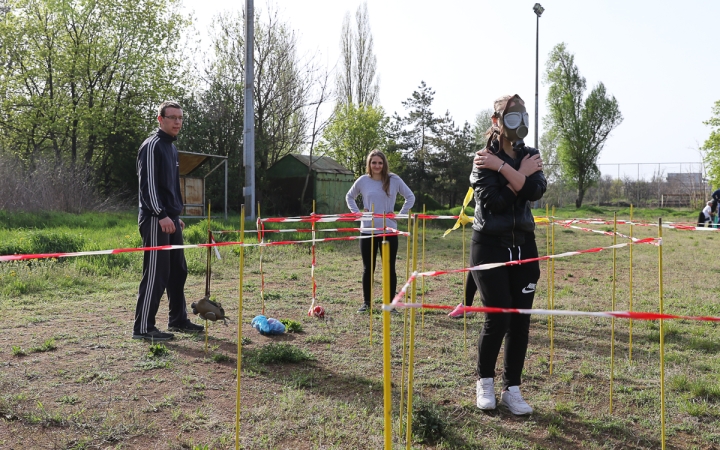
{"x":43,"y":242}
{"x":280,"y":353}
{"x":197,"y":232}
{"x":55,"y":242}
{"x":429,"y":423}
{"x":49,"y":187}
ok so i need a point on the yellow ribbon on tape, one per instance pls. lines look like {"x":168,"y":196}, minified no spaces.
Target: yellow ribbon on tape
{"x":463,"y":219}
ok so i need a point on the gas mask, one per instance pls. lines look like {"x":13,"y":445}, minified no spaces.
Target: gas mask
{"x":514,"y":120}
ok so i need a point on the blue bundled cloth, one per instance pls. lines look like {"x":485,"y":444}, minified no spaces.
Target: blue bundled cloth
{"x":267,"y":326}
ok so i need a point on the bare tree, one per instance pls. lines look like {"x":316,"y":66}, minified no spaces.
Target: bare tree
{"x":318,"y":124}
{"x":345,"y":76}
{"x":282,"y":85}
{"x":357,"y":80}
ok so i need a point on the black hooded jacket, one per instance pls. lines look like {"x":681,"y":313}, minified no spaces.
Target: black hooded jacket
{"x":158,"y":170}
{"x":501,"y":217}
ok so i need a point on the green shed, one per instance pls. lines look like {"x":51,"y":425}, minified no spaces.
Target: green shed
{"x":328,"y":184}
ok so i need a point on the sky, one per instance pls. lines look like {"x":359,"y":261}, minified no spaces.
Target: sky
{"x":658,"y":58}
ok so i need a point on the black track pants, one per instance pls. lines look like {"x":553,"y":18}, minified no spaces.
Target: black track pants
{"x":505,"y":287}
{"x":367,"y":257}
{"x":162,"y":270}
{"x":470,"y":289}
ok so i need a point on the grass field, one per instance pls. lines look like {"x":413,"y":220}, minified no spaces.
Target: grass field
{"x":71,"y":377}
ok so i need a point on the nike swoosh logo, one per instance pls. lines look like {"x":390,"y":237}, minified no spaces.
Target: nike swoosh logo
{"x":527,"y":291}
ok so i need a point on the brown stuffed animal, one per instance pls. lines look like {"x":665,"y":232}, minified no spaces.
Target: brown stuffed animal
{"x":208,"y":309}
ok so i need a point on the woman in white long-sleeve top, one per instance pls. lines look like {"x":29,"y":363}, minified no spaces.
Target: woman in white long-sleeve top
{"x":379,"y":189}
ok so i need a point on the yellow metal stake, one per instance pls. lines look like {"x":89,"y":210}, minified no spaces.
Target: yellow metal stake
{"x":372,"y":264}
{"x":464,"y":299}
{"x":387,"y":373}
{"x":407,"y":255}
{"x":422,"y":269}
{"x":313,"y":285}
{"x":262,"y":273}
{"x":207,"y":273}
{"x":547,"y":263}
{"x":411,"y":358}
{"x":552,"y":290}
{"x":662,"y":339}
{"x":612,"y":319}
{"x":239,"y":327}
{"x":630,"y":306}
{"x":405,"y":325}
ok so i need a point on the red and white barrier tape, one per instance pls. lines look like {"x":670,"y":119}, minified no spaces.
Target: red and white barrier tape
{"x":488,"y":266}
{"x":309,"y":230}
{"x":179,"y":247}
{"x":636,"y":315}
{"x":606,"y":233}
{"x":299,"y":230}
{"x":670,"y":225}
{"x":349,"y":217}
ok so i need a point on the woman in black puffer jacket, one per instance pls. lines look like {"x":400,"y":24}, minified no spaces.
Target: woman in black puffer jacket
{"x":506,"y":177}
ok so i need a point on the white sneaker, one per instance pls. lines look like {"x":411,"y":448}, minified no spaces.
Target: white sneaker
{"x":513,"y":399}
{"x":486,"y":393}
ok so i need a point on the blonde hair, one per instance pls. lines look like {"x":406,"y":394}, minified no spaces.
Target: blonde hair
{"x":384,"y":174}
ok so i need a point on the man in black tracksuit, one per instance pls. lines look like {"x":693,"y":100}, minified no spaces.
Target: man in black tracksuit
{"x":159,"y":223}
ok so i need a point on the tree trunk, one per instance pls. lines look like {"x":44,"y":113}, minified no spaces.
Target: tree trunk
{"x":580,"y":196}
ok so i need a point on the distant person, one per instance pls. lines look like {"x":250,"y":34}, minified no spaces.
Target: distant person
{"x":716,"y":197}
{"x":507,"y":176}
{"x":706,"y":215}
{"x":715,"y":202}
{"x":158,"y":171}
{"x":379,"y":189}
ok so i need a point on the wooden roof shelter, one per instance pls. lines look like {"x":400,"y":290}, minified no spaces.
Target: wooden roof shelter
{"x":193,"y":188}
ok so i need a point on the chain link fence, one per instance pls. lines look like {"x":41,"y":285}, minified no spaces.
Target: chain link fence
{"x":647,"y":185}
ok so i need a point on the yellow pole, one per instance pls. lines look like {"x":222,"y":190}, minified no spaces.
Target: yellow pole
{"x":407,"y":256}
{"x":207,"y":274}
{"x":206,"y":337}
{"x":464,"y":299}
{"x":387,"y":373}
{"x":372,"y":264}
{"x":262,"y":274}
{"x":411,"y":358}
{"x":422,"y":269}
{"x":662,"y":339}
{"x":552,"y":291}
{"x":312,"y":266}
{"x":547,"y":263}
{"x":630,"y":307}
{"x":239,"y":329}
{"x":612,"y":320}
{"x":405,"y":325}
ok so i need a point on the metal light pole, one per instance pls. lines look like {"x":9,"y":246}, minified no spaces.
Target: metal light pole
{"x":249,"y":112}
{"x":538,"y":11}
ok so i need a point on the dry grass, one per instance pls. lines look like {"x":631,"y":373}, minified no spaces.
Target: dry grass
{"x":48,"y":187}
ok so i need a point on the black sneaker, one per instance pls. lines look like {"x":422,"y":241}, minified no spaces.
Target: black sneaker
{"x":187,"y":327}
{"x":395,"y":312}
{"x":154,"y":335}
{"x":363,"y":308}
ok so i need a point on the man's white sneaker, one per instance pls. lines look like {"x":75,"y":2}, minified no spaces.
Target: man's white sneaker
{"x":486,"y":393}
{"x":513,"y":399}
